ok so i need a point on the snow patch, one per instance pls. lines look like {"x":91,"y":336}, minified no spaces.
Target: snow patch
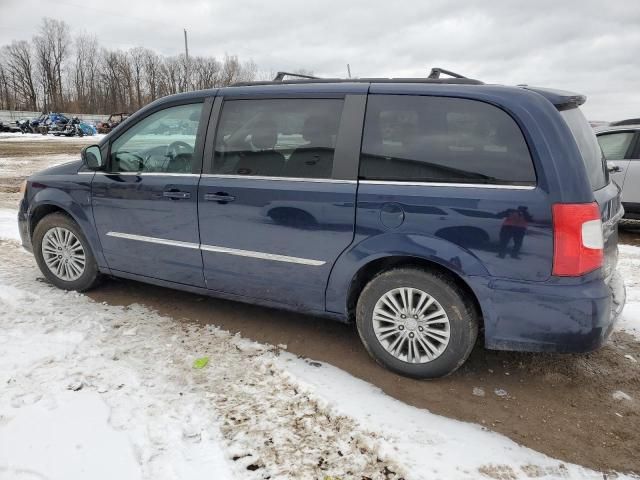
{"x":629,"y":266}
{"x":9,"y":224}
{"x":620,"y":395}
{"x":67,"y":438}
{"x":427,"y":445}
{"x":28,"y":137}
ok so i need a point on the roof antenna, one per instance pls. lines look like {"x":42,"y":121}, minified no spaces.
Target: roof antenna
{"x":349,"y":70}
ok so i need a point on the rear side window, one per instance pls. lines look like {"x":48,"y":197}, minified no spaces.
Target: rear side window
{"x":440,"y":139}
{"x":615,"y":146}
{"x":589,"y":147}
{"x":277,"y":137}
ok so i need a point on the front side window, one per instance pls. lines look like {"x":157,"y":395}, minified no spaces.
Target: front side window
{"x":163,"y":142}
{"x":440,"y":139}
{"x":277,"y":137}
{"x":615,"y":146}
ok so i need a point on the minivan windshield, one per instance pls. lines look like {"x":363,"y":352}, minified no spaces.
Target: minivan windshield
{"x":589,"y":148}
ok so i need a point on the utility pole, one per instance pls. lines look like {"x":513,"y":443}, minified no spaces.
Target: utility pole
{"x":186,"y":45}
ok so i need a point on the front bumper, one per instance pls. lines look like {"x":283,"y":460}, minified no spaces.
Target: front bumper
{"x":23,"y":227}
{"x":551,"y":317}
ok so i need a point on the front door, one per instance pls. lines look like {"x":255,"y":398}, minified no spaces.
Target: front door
{"x":145,"y":205}
{"x":617,"y":147}
{"x":631,"y":192}
{"x":277,"y":205}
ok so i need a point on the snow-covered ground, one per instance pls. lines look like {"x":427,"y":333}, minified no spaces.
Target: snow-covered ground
{"x":24,"y":137}
{"x":13,"y":166}
{"x":629,"y":266}
{"x":94,"y":391}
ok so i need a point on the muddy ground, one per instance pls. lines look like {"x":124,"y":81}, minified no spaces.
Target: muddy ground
{"x":561,"y":405}
{"x":20,"y":157}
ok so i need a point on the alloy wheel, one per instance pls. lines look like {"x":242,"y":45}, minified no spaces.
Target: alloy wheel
{"x":63,"y":253}
{"x":411,"y":325}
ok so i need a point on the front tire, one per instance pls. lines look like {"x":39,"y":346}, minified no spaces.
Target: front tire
{"x":416,"y":323}
{"x":63,"y":253}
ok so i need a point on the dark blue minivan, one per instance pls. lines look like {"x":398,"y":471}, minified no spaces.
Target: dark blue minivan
{"x":425,"y":210}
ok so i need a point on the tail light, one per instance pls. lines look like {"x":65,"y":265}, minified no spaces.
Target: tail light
{"x":578,"y":244}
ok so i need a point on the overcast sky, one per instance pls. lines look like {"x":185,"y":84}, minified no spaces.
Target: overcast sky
{"x":588,"y":46}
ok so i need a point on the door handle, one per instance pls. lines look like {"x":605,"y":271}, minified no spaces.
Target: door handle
{"x":613,"y":168}
{"x":219,"y":197}
{"x":176,"y":194}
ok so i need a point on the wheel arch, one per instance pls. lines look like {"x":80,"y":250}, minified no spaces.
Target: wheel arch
{"x":373,"y":255}
{"x":41,"y":211}
{"x":383,"y":264}
{"x":47,"y":203}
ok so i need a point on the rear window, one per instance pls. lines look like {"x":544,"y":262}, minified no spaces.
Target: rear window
{"x":589,"y":147}
{"x":440,"y":139}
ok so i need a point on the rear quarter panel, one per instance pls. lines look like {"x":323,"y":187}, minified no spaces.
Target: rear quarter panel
{"x":457,"y":228}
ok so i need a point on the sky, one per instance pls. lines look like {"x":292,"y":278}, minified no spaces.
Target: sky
{"x":586,"y":46}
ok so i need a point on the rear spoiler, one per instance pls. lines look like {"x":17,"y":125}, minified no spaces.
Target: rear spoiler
{"x":562,"y":99}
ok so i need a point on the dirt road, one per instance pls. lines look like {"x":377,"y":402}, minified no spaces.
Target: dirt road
{"x":562,"y":405}
{"x":21,"y":156}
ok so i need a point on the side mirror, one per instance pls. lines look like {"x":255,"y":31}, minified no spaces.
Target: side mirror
{"x":92,"y":157}
{"x":613,"y":168}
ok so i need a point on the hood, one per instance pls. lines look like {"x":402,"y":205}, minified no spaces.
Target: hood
{"x":68,"y":168}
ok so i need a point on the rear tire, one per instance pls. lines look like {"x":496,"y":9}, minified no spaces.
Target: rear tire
{"x":63,"y":253}
{"x":416,"y":323}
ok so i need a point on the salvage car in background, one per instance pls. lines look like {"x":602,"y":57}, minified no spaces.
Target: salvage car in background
{"x":56,"y":124}
{"x":621,"y":147}
{"x":5,"y":127}
{"x":112,"y":122}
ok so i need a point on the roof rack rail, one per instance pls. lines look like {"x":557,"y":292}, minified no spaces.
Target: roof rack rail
{"x":434,"y":77}
{"x":436,"y":72}
{"x":280,"y":76}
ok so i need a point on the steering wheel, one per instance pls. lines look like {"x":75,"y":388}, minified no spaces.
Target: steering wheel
{"x":173,"y":147}
{"x":134,"y":163}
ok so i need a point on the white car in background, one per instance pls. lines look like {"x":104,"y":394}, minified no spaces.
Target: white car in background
{"x":621,"y":147}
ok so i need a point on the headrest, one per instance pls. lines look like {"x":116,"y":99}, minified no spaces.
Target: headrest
{"x":317,"y":130}
{"x":265,"y":135}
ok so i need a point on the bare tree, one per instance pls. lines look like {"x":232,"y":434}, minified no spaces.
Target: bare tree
{"x":137,"y":56}
{"x":5,"y":90}
{"x":85,"y":72}
{"x":248,"y":72}
{"x":185,"y":74}
{"x":126,"y":80}
{"x":54,"y":73}
{"x":170,"y":76}
{"x":52,"y":49}
{"x":115,"y":93}
{"x":19,"y":72}
{"x":152,"y":72}
{"x":230,"y":70}
{"x":206,"y":71}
